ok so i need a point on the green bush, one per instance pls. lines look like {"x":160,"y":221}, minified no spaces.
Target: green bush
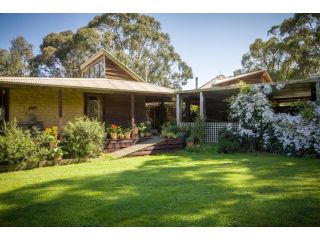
{"x":83,"y":137}
{"x":228,"y":142}
{"x":198,"y":131}
{"x":18,"y":145}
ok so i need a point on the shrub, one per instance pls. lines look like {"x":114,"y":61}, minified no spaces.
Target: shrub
{"x":83,"y":137}
{"x":228,"y":142}
{"x":18,"y":146}
{"x":198,"y":131}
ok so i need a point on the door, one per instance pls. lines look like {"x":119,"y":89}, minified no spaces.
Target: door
{"x":4,"y":105}
{"x":94,"y":106}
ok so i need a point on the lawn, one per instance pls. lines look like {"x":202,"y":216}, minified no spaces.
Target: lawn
{"x":180,"y":189}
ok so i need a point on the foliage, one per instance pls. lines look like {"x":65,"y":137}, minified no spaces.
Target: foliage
{"x":56,"y":152}
{"x":18,"y":147}
{"x":16,"y":61}
{"x":198,"y":131}
{"x":228,"y":142}
{"x":83,"y":137}
{"x":292,"y":51}
{"x":262,"y":129}
{"x":142,"y":127}
{"x":135,"y":39}
{"x":170,"y":130}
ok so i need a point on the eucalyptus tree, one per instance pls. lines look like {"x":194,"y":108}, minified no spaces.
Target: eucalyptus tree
{"x":135,"y":39}
{"x":16,"y":60}
{"x":292,"y":51}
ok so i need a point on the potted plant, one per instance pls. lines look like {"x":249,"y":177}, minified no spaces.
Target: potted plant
{"x":120,"y":133}
{"x":190,"y":141}
{"x":127,"y":133}
{"x":148,"y":129}
{"x":142,"y":129}
{"x":114,"y":131}
{"x":56,"y":154}
{"x":51,"y":137}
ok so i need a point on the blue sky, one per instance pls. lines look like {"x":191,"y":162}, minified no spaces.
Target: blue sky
{"x":211,"y":44}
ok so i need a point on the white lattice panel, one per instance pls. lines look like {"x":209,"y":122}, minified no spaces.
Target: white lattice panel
{"x":212,"y":130}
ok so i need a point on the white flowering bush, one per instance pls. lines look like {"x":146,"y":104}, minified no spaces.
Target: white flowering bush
{"x":252,"y":110}
{"x":262,"y":129}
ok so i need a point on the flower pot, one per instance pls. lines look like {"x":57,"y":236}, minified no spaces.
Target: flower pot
{"x":127,"y":135}
{"x":114,"y":136}
{"x":58,"y":158}
{"x":142,"y":134}
{"x":148,"y":134}
{"x":121,"y":136}
{"x":190,"y":144}
{"x":53,"y":144}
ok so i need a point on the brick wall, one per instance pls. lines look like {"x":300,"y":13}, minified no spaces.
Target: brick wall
{"x":45,"y":101}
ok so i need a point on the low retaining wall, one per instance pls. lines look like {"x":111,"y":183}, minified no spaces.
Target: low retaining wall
{"x":117,"y":144}
{"x":169,"y":145}
{"x":44,"y":163}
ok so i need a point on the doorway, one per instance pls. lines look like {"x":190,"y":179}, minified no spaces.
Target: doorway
{"x":4,"y":105}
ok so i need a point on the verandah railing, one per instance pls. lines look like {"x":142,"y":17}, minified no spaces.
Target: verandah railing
{"x":212,"y":130}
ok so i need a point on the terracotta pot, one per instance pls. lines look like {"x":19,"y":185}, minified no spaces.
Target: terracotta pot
{"x":148,"y":134}
{"x":114,"y":136}
{"x":58,"y":158}
{"x":142,"y":134}
{"x":127,"y":135}
{"x":53,"y":145}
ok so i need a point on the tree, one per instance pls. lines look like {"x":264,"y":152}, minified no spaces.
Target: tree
{"x":16,"y":61}
{"x":135,"y":39}
{"x":292,"y":51}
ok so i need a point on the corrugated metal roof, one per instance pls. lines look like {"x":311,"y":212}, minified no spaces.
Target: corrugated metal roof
{"x":89,"y":84}
{"x":217,"y":81}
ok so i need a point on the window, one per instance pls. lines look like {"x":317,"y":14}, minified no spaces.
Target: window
{"x":95,"y":71}
{"x":94,"y":107}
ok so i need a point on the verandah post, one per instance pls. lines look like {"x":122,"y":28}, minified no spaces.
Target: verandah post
{"x":202,"y":107}
{"x":178,"y":108}
{"x":60,"y":126}
{"x":133,"y":124}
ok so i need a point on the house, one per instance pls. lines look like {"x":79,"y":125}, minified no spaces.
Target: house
{"x":108,"y":91}
{"x":256,"y":77}
{"x":211,"y":98}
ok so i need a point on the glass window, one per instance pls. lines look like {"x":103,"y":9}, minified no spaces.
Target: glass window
{"x":94,"y":110}
{"x":92,"y":72}
{"x":86,"y":73}
{"x":96,"y":71}
{"x":101,"y":69}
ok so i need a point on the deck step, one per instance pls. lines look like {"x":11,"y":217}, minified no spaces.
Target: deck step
{"x":134,"y":148}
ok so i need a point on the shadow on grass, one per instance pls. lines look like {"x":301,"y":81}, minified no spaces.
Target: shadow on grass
{"x":189,"y":189}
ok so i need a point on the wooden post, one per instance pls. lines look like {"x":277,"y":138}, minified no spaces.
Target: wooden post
{"x":162,"y":111}
{"x":178,"y":108}
{"x":318,"y":91}
{"x":202,"y":107}
{"x":133,"y":124}
{"x":188,"y":115}
{"x":60,"y":112}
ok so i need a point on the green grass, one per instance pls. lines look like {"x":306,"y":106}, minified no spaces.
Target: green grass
{"x":181,"y":189}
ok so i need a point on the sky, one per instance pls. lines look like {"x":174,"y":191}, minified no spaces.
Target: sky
{"x":211,"y":44}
